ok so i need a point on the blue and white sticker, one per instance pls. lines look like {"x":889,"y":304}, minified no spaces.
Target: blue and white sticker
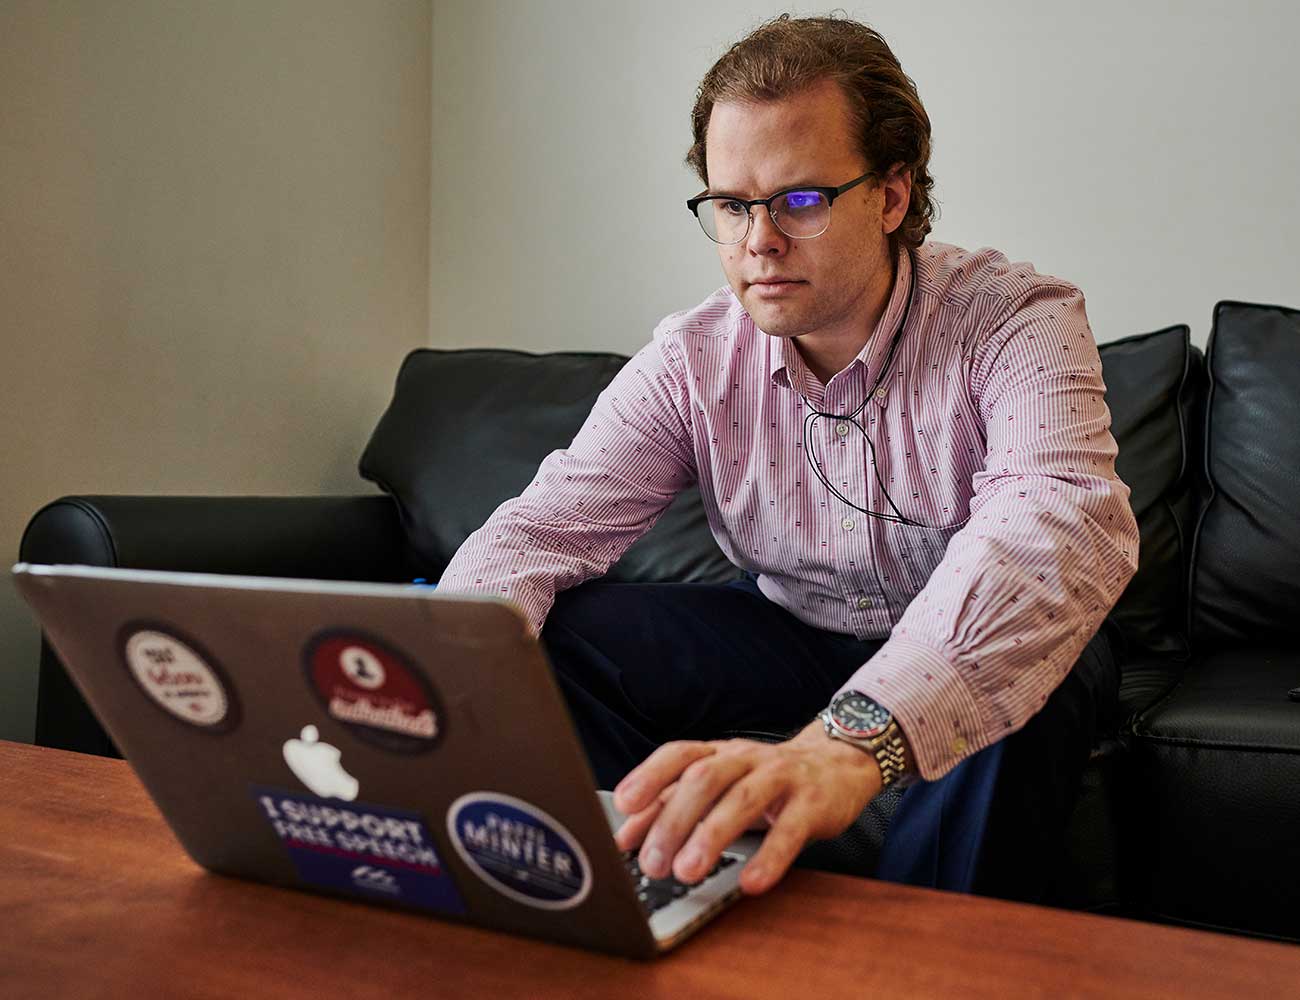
{"x":519,"y":850}
{"x":376,"y":852}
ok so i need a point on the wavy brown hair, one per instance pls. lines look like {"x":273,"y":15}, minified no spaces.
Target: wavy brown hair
{"x":786,"y":55}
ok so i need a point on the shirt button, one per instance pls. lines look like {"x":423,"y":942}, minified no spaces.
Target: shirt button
{"x":959,"y":745}
{"x":882,"y":392}
{"x":841,"y":429}
{"x":847,"y":524}
{"x":864,"y":603}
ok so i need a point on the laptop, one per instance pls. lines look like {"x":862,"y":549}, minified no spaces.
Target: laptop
{"x":380,"y":742}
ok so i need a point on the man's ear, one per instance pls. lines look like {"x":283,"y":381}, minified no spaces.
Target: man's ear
{"x":897,"y":185}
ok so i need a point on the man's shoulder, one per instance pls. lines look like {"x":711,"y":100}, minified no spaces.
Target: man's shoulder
{"x":719,"y":315}
{"x":960,"y":277}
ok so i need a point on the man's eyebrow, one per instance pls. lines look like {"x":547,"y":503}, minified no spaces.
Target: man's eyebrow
{"x":784,"y":187}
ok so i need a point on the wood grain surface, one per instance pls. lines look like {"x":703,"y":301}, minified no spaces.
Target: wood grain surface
{"x":98,"y":900}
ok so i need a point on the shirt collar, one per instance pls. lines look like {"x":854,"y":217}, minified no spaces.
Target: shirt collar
{"x":784,"y":356}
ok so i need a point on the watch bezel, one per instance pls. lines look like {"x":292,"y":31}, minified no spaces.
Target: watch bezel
{"x":875,"y":732}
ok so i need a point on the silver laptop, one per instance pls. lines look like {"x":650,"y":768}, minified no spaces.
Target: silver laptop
{"x":381,"y":742}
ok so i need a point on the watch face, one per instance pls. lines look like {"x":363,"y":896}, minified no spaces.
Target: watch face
{"x":859,"y":715}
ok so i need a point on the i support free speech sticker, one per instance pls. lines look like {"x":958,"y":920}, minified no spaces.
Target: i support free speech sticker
{"x":377,"y":852}
{"x":519,"y":850}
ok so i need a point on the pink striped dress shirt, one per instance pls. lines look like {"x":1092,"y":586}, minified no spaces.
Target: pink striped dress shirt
{"x":990,"y":428}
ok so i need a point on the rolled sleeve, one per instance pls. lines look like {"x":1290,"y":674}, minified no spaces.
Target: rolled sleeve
{"x":589,"y":502}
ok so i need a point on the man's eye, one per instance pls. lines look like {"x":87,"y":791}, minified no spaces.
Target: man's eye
{"x":802,"y":199}
{"x":733,"y":208}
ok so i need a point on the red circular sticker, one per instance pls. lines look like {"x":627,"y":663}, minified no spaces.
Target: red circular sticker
{"x":374,"y":690}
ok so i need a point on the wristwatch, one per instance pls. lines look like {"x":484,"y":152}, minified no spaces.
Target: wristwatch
{"x":858,"y":719}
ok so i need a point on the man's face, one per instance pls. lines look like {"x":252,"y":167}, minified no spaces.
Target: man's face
{"x":828,"y":283}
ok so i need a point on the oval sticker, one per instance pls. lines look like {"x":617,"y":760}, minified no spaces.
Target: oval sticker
{"x":373,"y":689}
{"x":519,"y":850}
{"x":177,"y":677}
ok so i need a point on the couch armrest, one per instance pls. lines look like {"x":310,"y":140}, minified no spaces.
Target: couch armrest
{"x":338,"y":538}
{"x":331,"y":538}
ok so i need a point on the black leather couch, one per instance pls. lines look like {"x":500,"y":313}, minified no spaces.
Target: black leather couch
{"x":1190,"y":810}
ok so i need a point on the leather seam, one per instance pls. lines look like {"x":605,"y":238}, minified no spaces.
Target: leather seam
{"x":1184,"y":556}
{"x":78,"y":504}
{"x":621,"y":359}
{"x":1209,"y":477}
{"x":1218,"y":745}
{"x":91,"y":512}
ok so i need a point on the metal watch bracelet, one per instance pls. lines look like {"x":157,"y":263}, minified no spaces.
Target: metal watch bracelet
{"x":888,"y":748}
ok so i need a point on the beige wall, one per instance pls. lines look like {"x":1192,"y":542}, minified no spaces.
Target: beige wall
{"x":213,"y":251}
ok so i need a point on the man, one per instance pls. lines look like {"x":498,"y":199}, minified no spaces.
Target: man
{"x":906,"y":448}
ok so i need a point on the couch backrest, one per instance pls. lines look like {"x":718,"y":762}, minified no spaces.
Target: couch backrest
{"x":1152,"y":389}
{"x":466,"y":430}
{"x":1245,"y":579}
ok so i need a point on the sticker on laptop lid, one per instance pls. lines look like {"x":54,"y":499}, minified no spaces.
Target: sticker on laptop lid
{"x":519,"y":850}
{"x":178,"y":676}
{"x":374,"y":690}
{"x":362,"y":849}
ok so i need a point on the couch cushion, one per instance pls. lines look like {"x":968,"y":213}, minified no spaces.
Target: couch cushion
{"x":1245,"y":584}
{"x":466,"y":430}
{"x":1150,"y":380}
{"x":1234,"y":699}
{"x":1217,"y":765}
{"x":1143,"y":682}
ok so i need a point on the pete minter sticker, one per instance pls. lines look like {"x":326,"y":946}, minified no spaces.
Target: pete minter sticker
{"x":373,"y":689}
{"x":519,"y":850}
{"x":177,"y":676}
{"x":372,"y":851}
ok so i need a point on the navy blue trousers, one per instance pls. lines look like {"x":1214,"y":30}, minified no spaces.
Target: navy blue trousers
{"x":643,"y":664}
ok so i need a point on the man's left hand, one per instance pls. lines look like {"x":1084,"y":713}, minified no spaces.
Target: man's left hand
{"x":688,"y":800}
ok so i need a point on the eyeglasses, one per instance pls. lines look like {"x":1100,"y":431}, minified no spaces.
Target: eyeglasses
{"x":800,"y":212}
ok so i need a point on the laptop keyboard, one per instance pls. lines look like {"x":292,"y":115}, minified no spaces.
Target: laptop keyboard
{"x":656,"y":893}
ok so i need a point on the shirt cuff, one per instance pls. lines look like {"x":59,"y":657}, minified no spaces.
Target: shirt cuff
{"x":931,"y":702}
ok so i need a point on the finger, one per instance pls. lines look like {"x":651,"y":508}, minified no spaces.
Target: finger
{"x":634,"y":827}
{"x":701,"y":784}
{"x":781,"y":845}
{"x":772,"y":813}
{"x":742,"y":807}
{"x":639,"y":788}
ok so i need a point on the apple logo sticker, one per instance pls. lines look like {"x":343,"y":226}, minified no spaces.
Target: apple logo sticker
{"x":317,"y":766}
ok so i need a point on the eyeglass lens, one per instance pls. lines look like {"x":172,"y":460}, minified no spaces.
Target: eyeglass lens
{"x":798,"y":214}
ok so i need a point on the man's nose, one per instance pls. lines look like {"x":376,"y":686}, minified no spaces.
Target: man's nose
{"x":764,"y":238}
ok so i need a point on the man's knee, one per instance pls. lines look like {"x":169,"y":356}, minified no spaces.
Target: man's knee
{"x":1039,"y":778}
{"x":1076,"y":714}
{"x":583,"y":622}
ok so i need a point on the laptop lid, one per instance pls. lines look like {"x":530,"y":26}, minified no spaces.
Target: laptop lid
{"x":374,"y":741}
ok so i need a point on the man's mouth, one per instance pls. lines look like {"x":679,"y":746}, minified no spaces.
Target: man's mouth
{"x":771,"y":287}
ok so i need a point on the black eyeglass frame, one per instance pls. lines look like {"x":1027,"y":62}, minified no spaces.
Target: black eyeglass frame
{"x":829,"y":193}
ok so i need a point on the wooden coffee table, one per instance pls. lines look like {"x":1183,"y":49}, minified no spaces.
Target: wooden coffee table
{"x":99,"y":900}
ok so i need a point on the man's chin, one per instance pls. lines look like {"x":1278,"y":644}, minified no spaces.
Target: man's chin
{"x":776,"y":319}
